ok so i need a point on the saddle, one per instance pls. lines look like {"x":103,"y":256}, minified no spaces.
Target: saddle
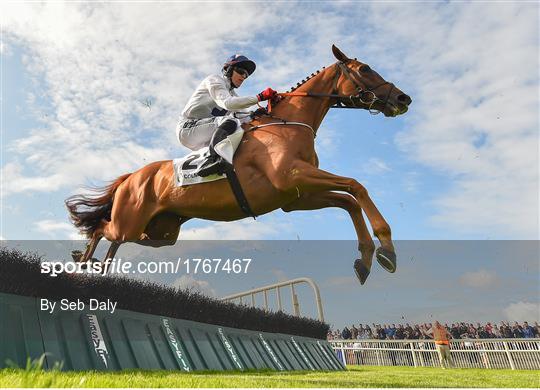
{"x":186,"y":169}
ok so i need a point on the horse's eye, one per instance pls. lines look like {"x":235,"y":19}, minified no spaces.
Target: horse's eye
{"x":365,"y":69}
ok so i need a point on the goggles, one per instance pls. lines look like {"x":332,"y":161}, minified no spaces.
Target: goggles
{"x":242,"y":72}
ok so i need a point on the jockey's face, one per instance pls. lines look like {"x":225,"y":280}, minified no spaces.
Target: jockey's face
{"x":238,"y":76}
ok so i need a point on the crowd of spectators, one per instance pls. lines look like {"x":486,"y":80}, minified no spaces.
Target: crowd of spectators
{"x":457,"y":330}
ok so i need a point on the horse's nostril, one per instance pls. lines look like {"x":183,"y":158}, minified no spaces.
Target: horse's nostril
{"x":405,"y":99}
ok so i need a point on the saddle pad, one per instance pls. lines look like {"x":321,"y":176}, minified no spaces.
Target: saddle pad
{"x":186,"y":169}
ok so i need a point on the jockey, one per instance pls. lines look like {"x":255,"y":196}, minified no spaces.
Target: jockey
{"x":208,"y":116}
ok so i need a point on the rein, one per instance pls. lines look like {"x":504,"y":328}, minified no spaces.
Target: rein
{"x":354,"y":77}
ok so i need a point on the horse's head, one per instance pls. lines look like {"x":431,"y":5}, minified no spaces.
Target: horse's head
{"x":366,"y":88}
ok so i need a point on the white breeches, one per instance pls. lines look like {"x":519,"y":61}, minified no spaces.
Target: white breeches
{"x":197,"y":133}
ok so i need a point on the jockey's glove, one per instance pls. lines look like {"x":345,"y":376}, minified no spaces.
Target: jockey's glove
{"x":267,"y":94}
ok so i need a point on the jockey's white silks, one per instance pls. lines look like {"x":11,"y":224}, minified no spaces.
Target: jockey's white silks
{"x":211,"y":104}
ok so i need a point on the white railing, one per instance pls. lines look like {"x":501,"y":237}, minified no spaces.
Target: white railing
{"x":277,"y":287}
{"x":516,"y":354}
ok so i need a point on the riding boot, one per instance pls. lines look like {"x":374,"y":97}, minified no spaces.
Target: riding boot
{"x":215,"y":164}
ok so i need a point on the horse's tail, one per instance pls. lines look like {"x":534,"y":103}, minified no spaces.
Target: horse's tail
{"x":87,"y":212}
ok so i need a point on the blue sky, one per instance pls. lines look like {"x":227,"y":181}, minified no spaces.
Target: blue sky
{"x":462,"y":164}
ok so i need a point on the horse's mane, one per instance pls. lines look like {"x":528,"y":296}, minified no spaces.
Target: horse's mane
{"x":308,"y":78}
{"x":305,"y":80}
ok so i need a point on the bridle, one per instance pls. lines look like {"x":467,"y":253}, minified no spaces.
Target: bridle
{"x":342,"y":101}
{"x":352,"y":101}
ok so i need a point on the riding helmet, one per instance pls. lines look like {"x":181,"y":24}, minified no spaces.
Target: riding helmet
{"x":240,"y":61}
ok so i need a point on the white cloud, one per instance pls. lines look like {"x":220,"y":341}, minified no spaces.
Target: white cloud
{"x":95,"y":78}
{"x":479,"y":279}
{"x":57,"y":229}
{"x":342,"y":282}
{"x":522,"y":311}
{"x":410,"y":181}
{"x":14,"y":181}
{"x":4,"y":49}
{"x":188,"y":282}
{"x":239,"y":230}
{"x":376,"y":166}
{"x":327,"y":142}
{"x":474,"y":116}
{"x":280,"y":274}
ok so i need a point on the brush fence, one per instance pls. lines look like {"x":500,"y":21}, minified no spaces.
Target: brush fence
{"x":84,"y":340}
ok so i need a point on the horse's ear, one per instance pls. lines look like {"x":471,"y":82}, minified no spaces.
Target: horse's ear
{"x":339,"y":54}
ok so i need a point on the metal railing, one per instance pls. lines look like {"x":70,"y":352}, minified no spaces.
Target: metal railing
{"x":516,"y":354}
{"x":277,"y":287}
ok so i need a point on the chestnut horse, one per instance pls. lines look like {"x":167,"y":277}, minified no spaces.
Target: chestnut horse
{"x":276,"y":164}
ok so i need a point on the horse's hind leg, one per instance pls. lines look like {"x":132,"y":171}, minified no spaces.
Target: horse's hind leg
{"x":305,"y":178}
{"x":109,"y":257}
{"x":163,"y":230}
{"x":91,"y":246}
{"x":128,"y":221}
{"x":129,"y":216}
{"x":315,"y":201}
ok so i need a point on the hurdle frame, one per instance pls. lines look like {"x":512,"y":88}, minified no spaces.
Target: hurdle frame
{"x":277,"y":287}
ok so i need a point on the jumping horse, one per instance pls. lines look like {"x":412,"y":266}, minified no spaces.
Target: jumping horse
{"x":276,"y":164}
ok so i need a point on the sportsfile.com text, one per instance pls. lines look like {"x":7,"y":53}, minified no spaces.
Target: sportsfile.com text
{"x":119,"y":266}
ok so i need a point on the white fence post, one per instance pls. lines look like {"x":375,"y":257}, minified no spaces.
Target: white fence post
{"x":343,"y":356}
{"x":422,"y":364}
{"x":509,"y":355}
{"x":413,"y":354}
{"x":295,"y":304}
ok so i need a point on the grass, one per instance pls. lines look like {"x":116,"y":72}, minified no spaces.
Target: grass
{"x":355,"y":376}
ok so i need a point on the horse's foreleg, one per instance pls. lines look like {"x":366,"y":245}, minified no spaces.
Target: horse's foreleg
{"x":315,"y":201}
{"x":304,"y":178}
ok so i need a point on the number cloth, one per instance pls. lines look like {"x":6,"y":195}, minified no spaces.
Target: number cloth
{"x":186,"y":168}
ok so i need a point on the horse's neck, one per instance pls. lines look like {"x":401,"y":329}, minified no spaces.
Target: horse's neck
{"x":309,"y":110}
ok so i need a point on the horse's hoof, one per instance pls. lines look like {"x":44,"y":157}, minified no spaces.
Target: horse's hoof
{"x":387,"y":259}
{"x":361,"y":271}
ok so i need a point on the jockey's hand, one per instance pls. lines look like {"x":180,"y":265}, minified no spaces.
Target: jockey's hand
{"x":267,"y":94}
